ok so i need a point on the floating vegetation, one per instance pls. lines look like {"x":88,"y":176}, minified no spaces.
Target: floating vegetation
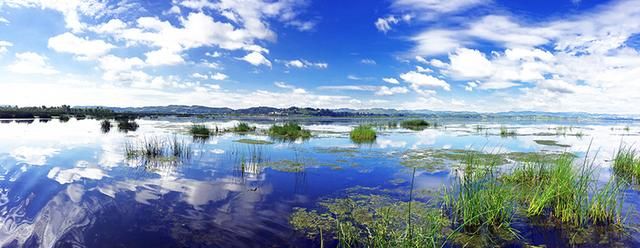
{"x":105,"y":126}
{"x":363,"y":134}
{"x":126,"y":125}
{"x":243,"y":127}
{"x":254,"y":142}
{"x":439,"y":159}
{"x":550,"y":143}
{"x":287,"y":165}
{"x":416,"y":125}
{"x":372,"y":221}
{"x":505,"y":132}
{"x":289,"y":132}
{"x":164,"y":149}
{"x":199,"y":130}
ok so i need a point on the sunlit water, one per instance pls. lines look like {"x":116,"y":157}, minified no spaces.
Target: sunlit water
{"x":70,"y":184}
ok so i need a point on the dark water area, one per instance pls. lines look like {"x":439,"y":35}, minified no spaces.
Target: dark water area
{"x":72,"y":185}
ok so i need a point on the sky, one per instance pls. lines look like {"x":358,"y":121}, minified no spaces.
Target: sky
{"x":453,"y":55}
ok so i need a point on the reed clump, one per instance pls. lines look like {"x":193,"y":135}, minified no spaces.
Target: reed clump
{"x":199,"y":130}
{"x":243,"y":127}
{"x":363,"y":134}
{"x":289,"y":131}
{"x":415,"y":124}
{"x":156,"y":148}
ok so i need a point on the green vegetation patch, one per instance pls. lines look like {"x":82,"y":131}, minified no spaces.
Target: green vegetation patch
{"x":416,"y":125}
{"x":626,"y":164}
{"x":550,"y":143}
{"x":289,"y":131}
{"x":372,"y":221}
{"x":199,"y":130}
{"x":363,"y":134}
{"x":243,"y":127}
{"x":254,"y":142}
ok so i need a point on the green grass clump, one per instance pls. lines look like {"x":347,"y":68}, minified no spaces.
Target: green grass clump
{"x":363,"y":134}
{"x":199,"y":130}
{"x":289,"y":131}
{"x":478,"y":203}
{"x":158,"y":149}
{"x":126,"y":125}
{"x":254,"y":142}
{"x":105,"y":126}
{"x":415,"y":124}
{"x":626,"y":164}
{"x":569,"y":194}
{"x":243,"y":127}
{"x":504,"y":132}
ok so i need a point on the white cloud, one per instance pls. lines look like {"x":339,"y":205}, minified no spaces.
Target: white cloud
{"x":256,"y":59}
{"x":293,"y":89}
{"x":219,"y":76}
{"x":368,"y":61}
{"x":419,"y":80}
{"x":469,"y":63}
{"x":437,"y":6}
{"x":350,"y":87}
{"x":200,"y":76}
{"x":119,"y":69}
{"x":3,"y":20}
{"x":4,"y":46}
{"x":301,"y":63}
{"x":386,"y":91}
{"x":470,"y":86}
{"x":83,"y":48}
{"x":384,"y":24}
{"x":391,"y":80}
{"x":31,"y":63}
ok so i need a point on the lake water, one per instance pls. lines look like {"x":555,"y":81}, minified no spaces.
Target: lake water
{"x":71,"y":184}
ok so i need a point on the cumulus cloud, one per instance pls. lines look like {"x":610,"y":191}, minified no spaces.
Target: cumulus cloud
{"x":385,"y":24}
{"x":31,"y":63}
{"x":219,"y":76}
{"x":256,"y":59}
{"x":386,"y":91}
{"x":83,"y":48}
{"x":418,"y":81}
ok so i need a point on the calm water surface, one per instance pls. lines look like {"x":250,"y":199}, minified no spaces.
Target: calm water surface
{"x":70,"y":185}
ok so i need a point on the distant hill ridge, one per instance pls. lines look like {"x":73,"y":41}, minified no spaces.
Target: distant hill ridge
{"x":346,"y":112}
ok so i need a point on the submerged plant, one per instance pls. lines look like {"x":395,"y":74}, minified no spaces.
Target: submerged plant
{"x":363,"y":134}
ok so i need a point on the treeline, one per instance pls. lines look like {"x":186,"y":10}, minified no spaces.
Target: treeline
{"x":49,"y":112}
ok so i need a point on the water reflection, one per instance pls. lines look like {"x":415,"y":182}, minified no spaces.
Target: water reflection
{"x":72,"y":183}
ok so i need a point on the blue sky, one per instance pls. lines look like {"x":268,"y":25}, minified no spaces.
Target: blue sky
{"x":461,"y":55}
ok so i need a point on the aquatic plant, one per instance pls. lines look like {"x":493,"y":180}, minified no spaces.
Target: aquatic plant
{"x":254,"y":142}
{"x":105,"y":126}
{"x":125,"y":125}
{"x":626,"y":163}
{"x":363,"y":134}
{"x":243,"y":127}
{"x":416,"y":125}
{"x":158,"y":148}
{"x":478,"y":203}
{"x":289,"y":131}
{"x":372,"y":221}
{"x":504,"y":132}
{"x":199,"y":130}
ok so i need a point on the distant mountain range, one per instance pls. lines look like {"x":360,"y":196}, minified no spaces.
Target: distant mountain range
{"x":346,"y":112}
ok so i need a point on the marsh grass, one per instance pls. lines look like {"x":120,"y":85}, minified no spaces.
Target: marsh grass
{"x":478,"y":203}
{"x":626,"y":163}
{"x":243,"y":127}
{"x":505,"y":132}
{"x":363,"y":134}
{"x":126,"y":125}
{"x":197,"y":130}
{"x":167,"y":149}
{"x":289,"y":132}
{"x":105,"y":126}
{"x":416,"y":125}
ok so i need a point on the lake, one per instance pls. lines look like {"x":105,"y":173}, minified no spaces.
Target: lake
{"x":71,"y":184}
